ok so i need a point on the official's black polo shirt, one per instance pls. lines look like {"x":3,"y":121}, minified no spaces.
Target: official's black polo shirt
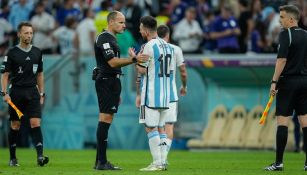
{"x":23,"y":65}
{"x":293,"y":47}
{"x":106,"y":48}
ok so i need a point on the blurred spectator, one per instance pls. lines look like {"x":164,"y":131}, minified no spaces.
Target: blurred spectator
{"x":67,"y":10}
{"x":256,"y":8}
{"x":20,"y":12}
{"x":133,"y":13}
{"x":271,"y":20}
{"x":258,"y":39}
{"x":86,"y":31}
{"x":202,"y":8}
{"x":302,"y":5}
{"x":96,"y":4}
{"x":151,"y":7}
{"x":5,"y":10}
{"x":245,"y":23}
{"x":177,"y":9}
{"x":225,"y":31}
{"x":188,"y":32}
{"x":43,"y":24}
{"x":209,"y":43}
{"x":5,"y":29}
{"x":67,"y":37}
{"x":163,"y":17}
{"x":101,"y":16}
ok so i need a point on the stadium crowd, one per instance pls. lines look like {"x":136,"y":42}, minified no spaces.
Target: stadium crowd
{"x":197,"y":26}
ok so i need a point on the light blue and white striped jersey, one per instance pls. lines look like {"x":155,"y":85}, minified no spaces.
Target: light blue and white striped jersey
{"x":155,"y":86}
{"x":65,"y":37}
{"x":178,"y":61}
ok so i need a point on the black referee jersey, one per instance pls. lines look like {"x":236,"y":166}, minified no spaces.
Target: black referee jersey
{"x":23,"y":65}
{"x":293,"y":47}
{"x":106,"y":48}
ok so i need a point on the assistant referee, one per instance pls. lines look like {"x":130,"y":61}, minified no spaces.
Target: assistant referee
{"x":289,"y":82}
{"x":24,"y":64}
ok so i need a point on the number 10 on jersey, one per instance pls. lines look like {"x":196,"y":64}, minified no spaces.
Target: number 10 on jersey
{"x":165,"y":65}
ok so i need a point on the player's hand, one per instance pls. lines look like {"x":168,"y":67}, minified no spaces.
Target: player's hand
{"x":131,"y":52}
{"x":183,"y":91}
{"x":138,"y":101}
{"x":142,"y":58}
{"x":273,"y":90}
{"x":6,"y":98}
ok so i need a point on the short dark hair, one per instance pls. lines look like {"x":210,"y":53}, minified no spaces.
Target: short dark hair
{"x":291,"y":9}
{"x":112,"y":15}
{"x":25,"y":23}
{"x":162,"y":31}
{"x":149,"y":22}
{"x":69,"y":21}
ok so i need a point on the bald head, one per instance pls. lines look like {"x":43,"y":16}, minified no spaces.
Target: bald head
{"x":116,"y":22}
{"x":112,"y":15}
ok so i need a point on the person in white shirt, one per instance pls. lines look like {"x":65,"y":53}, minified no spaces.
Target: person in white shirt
{"x":155,"y":89}
{"x":86,"y":31}
{"x":43,"y":24}
{"x":188,"y":32}
{"x":66,"y":36}
{"x":167,"y":132}
{"x":5,"y":28}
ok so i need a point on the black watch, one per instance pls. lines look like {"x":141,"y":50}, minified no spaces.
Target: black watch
{"x":272,"y":81}
{"x":3,"y":93}
{"x":134,"y":60}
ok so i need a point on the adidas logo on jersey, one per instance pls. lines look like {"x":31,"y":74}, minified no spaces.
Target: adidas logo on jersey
{"x":28,"y":58}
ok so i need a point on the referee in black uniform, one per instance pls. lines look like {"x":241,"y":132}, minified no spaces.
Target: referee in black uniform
{"x":24,"y":64}
{"x":107,"y":82}
{"x":289,"y":82}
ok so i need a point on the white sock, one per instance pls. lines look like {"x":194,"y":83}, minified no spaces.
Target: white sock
{"x":154,"y":146}
{"x":169,"y":145}
{"x":164,"y":147}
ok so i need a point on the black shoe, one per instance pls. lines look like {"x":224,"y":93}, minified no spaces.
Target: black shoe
{"x":42,"y":160}
{"x":95,"y":165}
{"x":13,"y":162}
{"x":106,"y":166}
{"x":305,"y":167}
{"x":275,"y":167}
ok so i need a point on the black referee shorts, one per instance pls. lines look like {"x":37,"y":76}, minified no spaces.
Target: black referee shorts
{"x":27,"y":100}
{"x":108,"y":93}
{"x":292,"y":95}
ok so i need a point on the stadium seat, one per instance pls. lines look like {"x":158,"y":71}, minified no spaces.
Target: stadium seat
{"x":252,"y":130}
{"x":231,"y":136}
{"x":211,"y":132}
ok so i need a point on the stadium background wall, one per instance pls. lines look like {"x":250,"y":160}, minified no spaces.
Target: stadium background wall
{"x":215,"y":79}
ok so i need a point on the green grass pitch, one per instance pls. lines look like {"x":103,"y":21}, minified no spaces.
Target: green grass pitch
{"x":80,"y":162}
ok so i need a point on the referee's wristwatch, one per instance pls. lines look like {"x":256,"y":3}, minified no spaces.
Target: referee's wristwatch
{"x":134,"y":60}
{"x":42,"y":94}
{"x":3,"y":93}
{"x":274,"y":82}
